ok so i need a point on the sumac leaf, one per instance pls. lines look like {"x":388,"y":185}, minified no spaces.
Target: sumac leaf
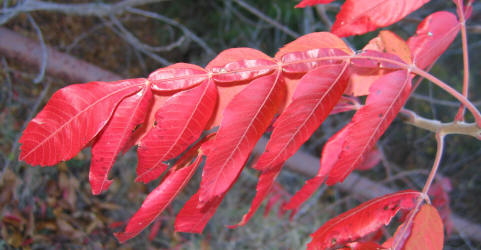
{"x":315,"y":96}
{"x":192,"y":218}
{"x":180,"y":121}
{"x":244,"y":121}
{"x":386,"y":98}
{"x":130,"y":113}
{"x":177,"y":76}
{"x":243,"y":70}
{"x":433,"y":36}
{"x":360,"y":16}
{"x":72,"y":117}
{"x":304,"y":61}
{"x":361,"y":220}
{"x":227,"y":91}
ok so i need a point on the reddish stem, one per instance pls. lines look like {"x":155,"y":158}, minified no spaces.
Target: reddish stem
{"x":400,"y":238}
{"x":464,"y":38}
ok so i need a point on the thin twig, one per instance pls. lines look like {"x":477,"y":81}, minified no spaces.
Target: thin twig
{"x":464,"y":39}
{"x":120,"y":30}
{"x":267,"y":19}
{"x":436,"y":126}
{"x":440,"y":102}
{"x":80,"y":9}
{"x":321,"y":11}
{"x":399,"y":238}
{"x":134,"y":41}
{"x":174,"y":23}
{"x":44,"y":58}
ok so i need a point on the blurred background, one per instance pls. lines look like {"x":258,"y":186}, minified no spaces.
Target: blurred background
{"x":47,"y":45}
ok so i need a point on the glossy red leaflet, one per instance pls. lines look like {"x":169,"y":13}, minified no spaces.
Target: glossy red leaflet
{"x":228,"y":90}
{"x":361,"y":220}
{"x":304,"y":61}
{"x":73,"y":116}
{"x":192,"y":218}
{"x":130,"y":113}
{"x":433,"y":36}
{"x":243,"y":70}
{"x":244,"y":121}
{"x":180,"y":121}
{"x":177,"y":76}
{"x":389,"y":46}
{"x":316,"y":95}
{"x":386,"y":98}
{"x":158,"y":200}
{"x":360,"y":16}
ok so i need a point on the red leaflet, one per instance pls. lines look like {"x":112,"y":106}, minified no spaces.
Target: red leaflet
{"x":370,"y":59}
{"x":192,"y":218}
{"x":264,"y":185}
{"x":360,"y":16}
{"x":330,"y":154}
{"x":302,"y":62}
{"x":316,"y":40}
{"x":177,"y":76}
{"x":129,"y":114}
{"x":158,"y":200}
{"x":361,"y":220}
{"x":228,"y":91}
{"x":244,"y":121}
{"x":236,"y":55}
{"x":433,"y":36}
{"x":368,"y":68}
{"x":243,"y":70}
{"x":386,"y":98}
{"x":426,"y":232}
{"x":73,"y":116}
{"x":180,"y":121}
{"x":317,"y":93}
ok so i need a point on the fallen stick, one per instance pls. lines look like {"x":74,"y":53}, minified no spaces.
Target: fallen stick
{"x":59,"y":64}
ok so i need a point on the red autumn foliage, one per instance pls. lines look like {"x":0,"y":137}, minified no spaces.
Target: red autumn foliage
{"x":240,"y":93}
